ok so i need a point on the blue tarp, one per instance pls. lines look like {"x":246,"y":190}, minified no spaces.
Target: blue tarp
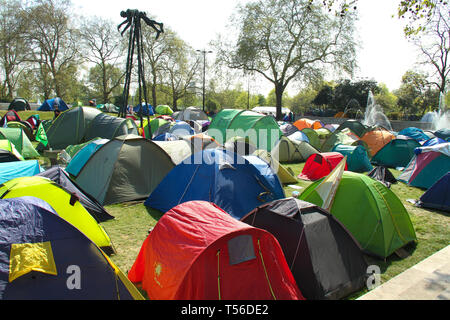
{"x":236,"y":184}
{"x":438,"y":196}
{"x":414,"y":133}
{"x":48,"y":105}
{"x":146,"y":110}
{"x":17,"y":169}
{"x":83,"y":155}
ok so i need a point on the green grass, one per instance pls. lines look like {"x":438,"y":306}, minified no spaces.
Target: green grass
{"x":133,"y":221}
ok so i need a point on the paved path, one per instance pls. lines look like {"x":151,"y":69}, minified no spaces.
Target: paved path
{"x":427,"y":280}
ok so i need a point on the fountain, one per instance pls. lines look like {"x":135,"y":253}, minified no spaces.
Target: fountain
{"x":374,"y":115}
{"x":441,"y":120}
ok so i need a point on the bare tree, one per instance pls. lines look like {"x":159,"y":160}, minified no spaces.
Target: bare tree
{"x":53,"y":43}
{"x":434,"y":46}
{"x":289,"y":40}
{"x":13,"y":50}
{"x":104,"y":48}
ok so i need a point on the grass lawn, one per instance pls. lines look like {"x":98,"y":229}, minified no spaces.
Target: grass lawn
{"x":133,"y":221}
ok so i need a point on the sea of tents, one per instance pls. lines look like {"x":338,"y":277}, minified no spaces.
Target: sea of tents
{"x":228,"y":230}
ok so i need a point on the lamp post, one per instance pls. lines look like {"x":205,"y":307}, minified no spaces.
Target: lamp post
{"x":204,"y":72}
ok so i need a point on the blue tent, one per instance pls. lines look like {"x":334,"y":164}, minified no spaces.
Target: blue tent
{"x":146,"y":110}
{"x":438,"y":196}
{"x":40,"y":254}
{"x":357,"y":157}
{"x":181,"y":128}
{"x":165,"y":137}
{"x":48,"y":105}
{"x":414,"y":133}
{"x":433,"y":142}
{"x":443,"y":134}
{"x":16,"y":169}
{"x":236,"y":184}
{"x":83,"y":155}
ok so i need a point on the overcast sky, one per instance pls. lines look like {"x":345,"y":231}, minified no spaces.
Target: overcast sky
{"x":385,"y":54}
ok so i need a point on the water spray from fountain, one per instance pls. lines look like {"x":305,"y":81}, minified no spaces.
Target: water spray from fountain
{"x":374,"y":115}
{"x":441,"y":118}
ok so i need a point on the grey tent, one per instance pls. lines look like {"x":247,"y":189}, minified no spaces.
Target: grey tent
{"x":81,"y":124}
{"x":126,"y":168}
{"x":190,"y":113}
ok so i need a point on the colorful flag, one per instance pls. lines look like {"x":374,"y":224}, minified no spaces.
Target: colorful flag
{"x":41,"y":136}
{"x":328,"y":187}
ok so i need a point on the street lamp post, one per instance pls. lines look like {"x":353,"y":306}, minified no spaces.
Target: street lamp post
{"x":204,"y":73}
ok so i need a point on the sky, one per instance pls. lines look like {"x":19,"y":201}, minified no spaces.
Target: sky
{"x":385,"y":55}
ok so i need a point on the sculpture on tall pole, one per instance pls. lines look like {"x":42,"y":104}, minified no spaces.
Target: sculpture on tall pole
{"x":133,"y":22}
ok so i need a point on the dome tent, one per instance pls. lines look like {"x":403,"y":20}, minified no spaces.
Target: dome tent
{"x":377,"y":139}
{"x":354,"y":125}
{"x":320,"y":164}
{"x":8,"y":152}
{"x":191,"y":113}
{"x":287,"y":150}
{"x":37,"y":247}
{"x":236,"y":184}
{"x":370,"y":211}
{"x":17,"y":169}
{"x":19,"y":104}
{"x":357,"y":157}
{"x":20,"y":140}
{"x":438,"y":196}
{"x":262,"y":130}
{"x":197,"y":251}
{"x":325,"y":260}
{"x":285,"y":174}
{"x":47,"y":105}
{"x":397,"y":153}
{"x":81,"y":124}
{"x":64,"y":202}
{"x":124,"y":169}
{"x":163,"y":109}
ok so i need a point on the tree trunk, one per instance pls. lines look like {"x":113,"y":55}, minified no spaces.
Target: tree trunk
{"x":279,"y":89}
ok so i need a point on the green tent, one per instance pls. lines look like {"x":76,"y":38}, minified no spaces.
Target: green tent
{"x":313,"y":137}
{"x":155,"y":124}
{"x":126,"y":168}
{"x":370,"y":211}
{"x":263,"y":131}
{"x":357,"y":127}
{"x":346,"y":136}
{"x":357,"y":157}
{"x":81,"y":124}
{"x":9,"y":147}
{"x":397,"y":153}
{"x":292,"y":151}
{"x":163,"y":109}
{"x":73,"y":149}
{"x":20,"y":141}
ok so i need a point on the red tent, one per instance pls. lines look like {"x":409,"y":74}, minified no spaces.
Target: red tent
{"x":319,"y":165}
{"x":10,"y":115}
{"x":199,"y":252}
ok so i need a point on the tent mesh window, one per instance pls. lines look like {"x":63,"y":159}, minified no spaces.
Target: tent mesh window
{"x":240,"y":249}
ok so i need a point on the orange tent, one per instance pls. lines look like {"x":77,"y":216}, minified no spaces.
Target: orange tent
{"x":377,"y":139}
{"x":340,"y":115}
{"x":307,"y":123}
{"x":197,"y":251}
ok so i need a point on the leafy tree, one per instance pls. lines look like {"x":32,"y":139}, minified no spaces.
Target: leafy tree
{"x":286,"y":41}
{"x":346,"y":91}
{"x":105,"y":80}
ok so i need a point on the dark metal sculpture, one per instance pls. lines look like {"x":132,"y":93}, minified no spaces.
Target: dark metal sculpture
{"x":133,"y":22}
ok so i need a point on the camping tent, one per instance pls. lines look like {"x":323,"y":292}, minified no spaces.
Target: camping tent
{"x":20,"y":141}
{"x":40,"y":253}
{"x":397,"y":153}
{"x":163,"y":109}
{"x":236,"y":184}
{"x":60,"y":176}
{"x":325,"y":260}
{"x":196,"y":251}
{"x":357,"y":157}
{"x":65,"y":203}
{"x":146,"y":110}
{"x":25,"y":126}
{"x":19,"y":104}
{"x":438,"y":196}
{"x":200,"y":141}
{"x":191,"y":113}
{"x":178,"y":150}
{"x":270,"y":111}
{"x":443,"y":133}
{"x":372,"y":213}
{"x":126,"y":168}
{"x":263,"y":131}
{"x":313,"y":137}
{"x":10,"y":115}
{"x":47,"y":105}
{"x":345,"y":136}
{"x":82,"y":156}
{"x":181,"y":128}
{"x":81,"y":124}
{"x":288,"y":128}
{"x":377,"y":139}
{"x":16,"y":169}
{"x":108,"y":107}
{"x":308,"y":123}
{"x":354,"y":125}
{"x":427,"y":166}
{"x":240,"y":145}
{"x":382,"y":174}
{"x":8,"y":151}
{"x":287,"y":150}
{"x":319,"y":165}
